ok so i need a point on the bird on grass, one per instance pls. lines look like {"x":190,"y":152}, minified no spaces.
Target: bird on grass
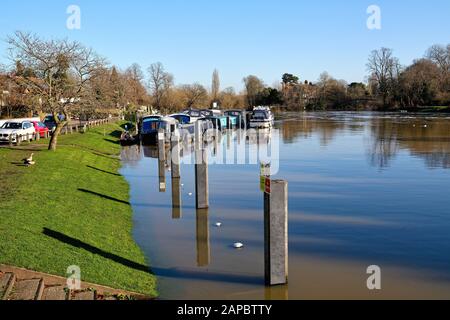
{"x":29,"y":161}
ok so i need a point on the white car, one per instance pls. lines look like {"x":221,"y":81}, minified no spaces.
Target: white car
{"x":15,"y":131}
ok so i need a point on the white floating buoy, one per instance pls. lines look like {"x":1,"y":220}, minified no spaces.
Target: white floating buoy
{"x":190,"y":194}
{"x":182,"y":184}
{"x":218,"y":224}
{"x":238,"y":245}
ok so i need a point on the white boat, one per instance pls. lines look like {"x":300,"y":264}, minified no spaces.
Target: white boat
{"x":262,"y":117}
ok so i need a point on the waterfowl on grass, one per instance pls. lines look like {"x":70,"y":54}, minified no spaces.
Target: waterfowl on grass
{"x":29,"y":161}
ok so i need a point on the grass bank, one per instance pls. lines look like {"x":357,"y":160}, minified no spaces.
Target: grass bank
{"x":72,"y":208}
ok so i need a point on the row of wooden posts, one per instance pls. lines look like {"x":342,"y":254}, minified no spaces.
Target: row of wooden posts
{"x":275,"y":205}
{"x":68,"y":129}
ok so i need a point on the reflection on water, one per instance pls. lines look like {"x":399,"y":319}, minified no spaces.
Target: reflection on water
{"x":424,"y":136}
{"x":176,"y":199}
{"x":364,"y":189}
{"x":202,"y":232}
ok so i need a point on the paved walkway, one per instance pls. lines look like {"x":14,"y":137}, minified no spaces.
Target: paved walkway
{"x":22,"y":284}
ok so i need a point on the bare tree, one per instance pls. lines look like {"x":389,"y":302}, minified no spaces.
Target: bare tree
{"x":420,"y":83}
{"x":160,"y":83}
{"x":384,"y":69}
{"x":134,"y":89}
{"x":253,"y":87}
{"x":61,"y":69}
{"x":195,"y":95}
{"x":135,"y":72}
{"x":440,"y":55}
{"x":215,"y":86}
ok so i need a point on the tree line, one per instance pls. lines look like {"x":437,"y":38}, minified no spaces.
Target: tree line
{"x":65,"y":77}
{"x":390,"y":85}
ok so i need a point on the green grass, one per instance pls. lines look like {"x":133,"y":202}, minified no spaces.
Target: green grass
{"x":77,"y":194}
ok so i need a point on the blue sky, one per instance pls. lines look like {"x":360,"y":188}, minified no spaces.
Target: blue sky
{"x":238,"y":37}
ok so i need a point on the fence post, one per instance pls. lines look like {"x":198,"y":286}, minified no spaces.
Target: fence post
{"x":276,"y":233}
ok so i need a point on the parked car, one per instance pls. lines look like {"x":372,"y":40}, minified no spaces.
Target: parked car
{"x":16,"y":131}
{"x":50,"y":122}
{"x":41,"y":128}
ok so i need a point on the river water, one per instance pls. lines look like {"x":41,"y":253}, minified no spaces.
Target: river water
{"x":364,"y":189}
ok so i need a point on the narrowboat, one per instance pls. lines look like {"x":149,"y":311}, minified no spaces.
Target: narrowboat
{"x":218,"y":120}
{"x":151,"y":125}
{"x":237,"y":117}
{"x":194,"y":114}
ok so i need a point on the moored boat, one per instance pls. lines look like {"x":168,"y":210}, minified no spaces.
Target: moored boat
{"x":218,"y":120}
{"x":127,"y":139}
{"x":237,"y":117}
{"x":151,"y":125}
{"x":262,"y":117}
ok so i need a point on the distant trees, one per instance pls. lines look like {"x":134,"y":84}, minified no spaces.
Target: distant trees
{"x":440,"y":56}
{"x":331,"y":93}
{"x":64,"y":77}
{"x":290,"y":79}
{"x":425,"y":82}
{"x":160,"y":84}
{"x":270,"y":97}
{"x":253,"y":87}
{"x":229,"y":99}
{"x":419,"y":84}
{"x":194,"y":95}
{"x":384,"y":69}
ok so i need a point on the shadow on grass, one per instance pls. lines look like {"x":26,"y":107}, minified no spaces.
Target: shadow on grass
{"x":19,"y":164}
{"x":85,"y":246}
{"x":105,"y":156}
{"x":112,"y":141}
{"x":116,"y":134}
{"x":104,"y":171}
{"x":104,"y":196}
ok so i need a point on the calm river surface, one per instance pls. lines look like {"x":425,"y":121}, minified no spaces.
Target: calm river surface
{"x":364,"y":189}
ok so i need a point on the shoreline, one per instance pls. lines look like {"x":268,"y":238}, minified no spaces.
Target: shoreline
{"x":73,"y":202}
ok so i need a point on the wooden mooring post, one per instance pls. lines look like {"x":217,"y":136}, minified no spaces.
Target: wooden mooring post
{"x":175,"y":152}
{"x":162,"y":161}
{"x":276,"y":233}
{"x":201,"y":171}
